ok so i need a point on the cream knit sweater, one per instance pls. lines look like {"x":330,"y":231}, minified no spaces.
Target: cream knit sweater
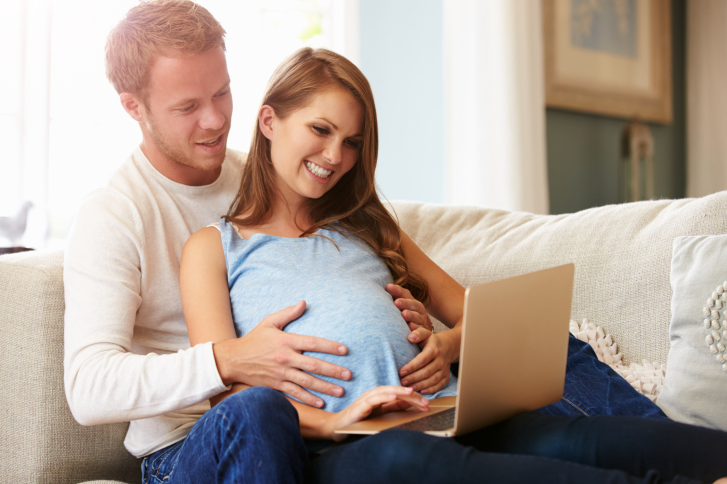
{"x":127,"y":354}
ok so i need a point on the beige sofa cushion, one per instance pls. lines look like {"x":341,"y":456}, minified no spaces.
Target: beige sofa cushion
{"x":40,"y":440}
{"x":622,"y":255}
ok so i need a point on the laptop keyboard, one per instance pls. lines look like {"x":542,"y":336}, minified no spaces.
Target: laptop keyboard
{"x":439,"y":421}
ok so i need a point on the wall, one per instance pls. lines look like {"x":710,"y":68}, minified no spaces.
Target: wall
{"x":402,"y":57}
{"x":583,"y":150}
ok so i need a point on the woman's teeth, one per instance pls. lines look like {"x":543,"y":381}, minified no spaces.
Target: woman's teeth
{"x":317,"y":170}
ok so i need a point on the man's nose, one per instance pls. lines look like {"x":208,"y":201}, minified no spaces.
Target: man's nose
{"x":212,"y":118}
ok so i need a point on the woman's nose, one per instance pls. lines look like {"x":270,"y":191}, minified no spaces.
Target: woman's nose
{"x":332,"y":152}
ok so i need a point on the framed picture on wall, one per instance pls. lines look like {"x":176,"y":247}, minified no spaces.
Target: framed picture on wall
{"x":609,"y":57}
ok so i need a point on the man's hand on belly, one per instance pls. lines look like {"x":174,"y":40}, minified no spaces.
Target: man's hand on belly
{"x":268,"y":356}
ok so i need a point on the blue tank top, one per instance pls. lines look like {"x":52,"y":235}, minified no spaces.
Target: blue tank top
{"x":346,"y":301}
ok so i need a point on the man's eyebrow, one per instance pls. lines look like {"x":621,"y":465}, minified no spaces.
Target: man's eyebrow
{"x":193,"y":99}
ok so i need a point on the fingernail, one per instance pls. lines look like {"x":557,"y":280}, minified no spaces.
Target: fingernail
{"x":342,"y":349}
{"x":412,"y":338}
{"x":404,"y":383}
{"x":338,"y":392}
{"x":346,"y":374}
{"x":425,"y":392}
{"x":319,"y":403}
{"x":403,"y":372}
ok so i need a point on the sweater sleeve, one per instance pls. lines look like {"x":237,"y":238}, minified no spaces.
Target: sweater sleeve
{"x":105,"y":381}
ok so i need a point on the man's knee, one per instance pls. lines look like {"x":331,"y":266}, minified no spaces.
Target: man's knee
{"x":258,"y":405}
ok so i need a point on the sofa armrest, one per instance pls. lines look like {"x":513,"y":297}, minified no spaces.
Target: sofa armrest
{"x":41,"y":441}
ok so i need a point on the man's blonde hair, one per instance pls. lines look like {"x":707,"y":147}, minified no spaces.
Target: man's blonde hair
{"x":157,"y":27}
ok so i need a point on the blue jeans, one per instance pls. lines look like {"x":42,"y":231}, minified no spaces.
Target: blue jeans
{"x":593,"y":388}
{"x":251,"y":437}
{"x":596,"y":433}
{"x":534,"y":448}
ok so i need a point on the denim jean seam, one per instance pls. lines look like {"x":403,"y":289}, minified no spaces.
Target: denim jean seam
{"x":155,"y":464}
{"x":577,"y":407}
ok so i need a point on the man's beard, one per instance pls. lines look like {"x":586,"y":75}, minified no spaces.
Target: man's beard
{"x":175,"y":153}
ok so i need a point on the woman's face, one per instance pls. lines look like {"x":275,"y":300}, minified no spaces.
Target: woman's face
{"x":315,"y":146}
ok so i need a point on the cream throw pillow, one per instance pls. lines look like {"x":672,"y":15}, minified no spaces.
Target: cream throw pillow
{"x":695,"y":387}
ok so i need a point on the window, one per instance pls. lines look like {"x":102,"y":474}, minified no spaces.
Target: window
{"x":61,"y":124}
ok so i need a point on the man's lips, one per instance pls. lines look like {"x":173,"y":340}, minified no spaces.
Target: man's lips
{"x":211,"y":142}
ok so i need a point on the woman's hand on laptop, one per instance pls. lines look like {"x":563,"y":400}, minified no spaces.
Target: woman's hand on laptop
{"x":378,"y":401}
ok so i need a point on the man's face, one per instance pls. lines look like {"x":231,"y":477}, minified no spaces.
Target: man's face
{"x":186,"y":116}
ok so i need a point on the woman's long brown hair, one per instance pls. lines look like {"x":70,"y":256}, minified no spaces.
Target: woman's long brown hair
{"x":352,"y":205}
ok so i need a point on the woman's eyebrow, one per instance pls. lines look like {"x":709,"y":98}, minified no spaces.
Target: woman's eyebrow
{"x":323,"y":118}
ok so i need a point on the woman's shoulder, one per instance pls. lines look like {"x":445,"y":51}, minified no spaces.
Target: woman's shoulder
{"x":207,"y":238}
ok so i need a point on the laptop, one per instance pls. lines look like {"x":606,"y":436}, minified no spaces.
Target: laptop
{"x":512,"y":357}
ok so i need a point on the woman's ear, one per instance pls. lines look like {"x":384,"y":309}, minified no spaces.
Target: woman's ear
{"x":266,"y":119}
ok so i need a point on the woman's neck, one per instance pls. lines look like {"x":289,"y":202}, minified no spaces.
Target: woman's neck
{"x":284,"y":221}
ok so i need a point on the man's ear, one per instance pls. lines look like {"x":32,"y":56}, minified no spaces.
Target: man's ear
{"x":266,"y":119}
{"x":132,"y":105}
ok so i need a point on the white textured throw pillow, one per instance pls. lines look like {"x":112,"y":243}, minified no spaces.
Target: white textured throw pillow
{"x":647,"y":378}
{"x":695,"y":388}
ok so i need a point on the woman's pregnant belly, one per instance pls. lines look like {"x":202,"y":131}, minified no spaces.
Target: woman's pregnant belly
{"x":369,"y":324}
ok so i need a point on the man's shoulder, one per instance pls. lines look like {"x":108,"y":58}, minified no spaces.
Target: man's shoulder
{"x":235,"y":158}
{"x":120,"y":195}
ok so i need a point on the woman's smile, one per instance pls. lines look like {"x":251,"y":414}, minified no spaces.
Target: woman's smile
{"x":319,"y":173}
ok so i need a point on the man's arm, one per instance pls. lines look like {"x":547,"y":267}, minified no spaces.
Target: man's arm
{"x":105,"y":380}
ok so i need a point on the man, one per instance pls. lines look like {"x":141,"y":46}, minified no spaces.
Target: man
{"x":127,"y":355}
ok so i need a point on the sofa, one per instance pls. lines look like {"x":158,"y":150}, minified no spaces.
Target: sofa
{"x":622,"y":256}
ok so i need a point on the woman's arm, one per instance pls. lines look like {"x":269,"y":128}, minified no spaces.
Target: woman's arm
{"x":203,"y":284}
{"x":447,"y":295}
{"x":319,"y":424}
{"x":205,"y":295}
{"x":428,"y":372}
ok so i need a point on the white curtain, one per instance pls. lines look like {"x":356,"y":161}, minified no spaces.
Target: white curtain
{"x":495,"y":108}
{"x":706,"y":97}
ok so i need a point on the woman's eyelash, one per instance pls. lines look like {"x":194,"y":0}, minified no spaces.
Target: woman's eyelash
{"x":324,"y":131}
